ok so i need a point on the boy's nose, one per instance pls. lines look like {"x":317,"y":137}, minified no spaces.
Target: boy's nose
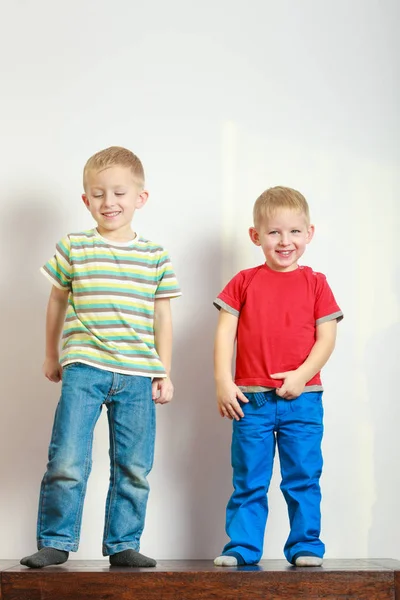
{"x":109,"y":200}
{"x":284,"y":240}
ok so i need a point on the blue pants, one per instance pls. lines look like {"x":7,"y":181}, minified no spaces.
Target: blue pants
{"x":131,"y":418}
{"x":296,"y":427}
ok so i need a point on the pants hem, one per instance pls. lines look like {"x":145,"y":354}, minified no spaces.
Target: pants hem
{"x":109,"y":550}
{"x":67,"y":547}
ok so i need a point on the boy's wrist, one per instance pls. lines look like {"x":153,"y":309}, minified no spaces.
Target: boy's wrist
{"x":304,"y":374}
{"x":223,"y":377}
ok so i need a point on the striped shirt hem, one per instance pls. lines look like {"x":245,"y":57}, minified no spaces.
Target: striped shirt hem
{"x":100,"y":365}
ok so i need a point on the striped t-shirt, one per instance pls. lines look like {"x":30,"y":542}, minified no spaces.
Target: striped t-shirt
{"x":109,"y":322}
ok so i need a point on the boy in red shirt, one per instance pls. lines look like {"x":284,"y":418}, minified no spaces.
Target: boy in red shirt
{"x":283,"y":317}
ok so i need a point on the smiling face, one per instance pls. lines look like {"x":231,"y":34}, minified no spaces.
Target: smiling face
{"x":283,"y":237}
{"x":112,"y":195}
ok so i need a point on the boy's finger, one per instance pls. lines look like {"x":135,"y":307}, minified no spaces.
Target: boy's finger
{"x":227,"y":414}
{"x":166,"y":394}
{"x":232,"y":413}
{"x":242,"y":397}
{"x":279,"y":375}
{"x":224,"y":412}
{"x":237,"y":409}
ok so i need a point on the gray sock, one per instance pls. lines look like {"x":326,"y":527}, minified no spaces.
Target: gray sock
{"x":44,"y":558}
{"x":131,"y":558}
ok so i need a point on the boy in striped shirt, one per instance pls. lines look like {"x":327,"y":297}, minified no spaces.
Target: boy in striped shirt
{"x":111,"y":301}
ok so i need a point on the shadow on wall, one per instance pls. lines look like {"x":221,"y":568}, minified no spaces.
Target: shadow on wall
{"x":28,"y":400}
{"x":193,"y":441}
{"x":382,"y":366}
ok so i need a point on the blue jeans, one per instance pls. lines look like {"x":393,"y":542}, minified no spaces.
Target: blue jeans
{"x":296,"y":427}
{"x":131,"y":418}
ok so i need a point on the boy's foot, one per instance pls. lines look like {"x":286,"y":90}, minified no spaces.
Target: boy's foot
{"x":226,"y":561}
{"x":44,"y":558}
{"x":230,"y":559}
{"x":307,"y":559}
{"x":131,"y":558}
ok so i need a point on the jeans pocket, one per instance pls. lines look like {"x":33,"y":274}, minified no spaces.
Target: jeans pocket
{"x":308,"y":405}
{"x":69,"y":366}
{"x":315,"y":403}
{"x":314,"y":396}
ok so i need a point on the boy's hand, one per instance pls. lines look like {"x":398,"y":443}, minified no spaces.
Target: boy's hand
{"x":162,"y":390}
{"x":52,"y":369}
{"x":227,"y":399}
{"x":293,"y":384}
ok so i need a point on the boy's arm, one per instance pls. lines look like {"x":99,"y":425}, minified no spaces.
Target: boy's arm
{"x":227,"y":391}
{"x":56,"y":309}
{"x":162,"y":388}
{"x":295,"y":381}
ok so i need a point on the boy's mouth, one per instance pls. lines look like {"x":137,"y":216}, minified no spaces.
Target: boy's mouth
{"x":110,"y":215}
{"x":285,"y":253}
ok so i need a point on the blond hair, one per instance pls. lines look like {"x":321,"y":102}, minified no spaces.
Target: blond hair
{"x":278,"y":197}
{"x":115,"y":156}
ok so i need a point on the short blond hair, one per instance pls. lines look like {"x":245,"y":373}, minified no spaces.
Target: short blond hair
{"x":278,"y":197}
{"x":115,"y":156}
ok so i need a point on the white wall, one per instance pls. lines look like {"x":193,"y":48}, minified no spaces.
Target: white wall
{"x":221,"y":100}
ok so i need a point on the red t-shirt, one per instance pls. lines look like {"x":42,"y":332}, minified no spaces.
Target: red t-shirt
{"x":278,"y":313}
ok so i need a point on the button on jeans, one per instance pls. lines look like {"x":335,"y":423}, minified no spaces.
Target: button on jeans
{"x":295,"y":426}
{"x":131,"y":419}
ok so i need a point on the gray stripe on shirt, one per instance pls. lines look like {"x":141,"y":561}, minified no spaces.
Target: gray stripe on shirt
{"x":220,"y":304}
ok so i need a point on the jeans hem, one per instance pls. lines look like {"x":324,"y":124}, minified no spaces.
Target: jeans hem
{"x":109,"y":550}
{"x":240,"y":560}
{"x":248,"y":557}
{"x":67,"y":547}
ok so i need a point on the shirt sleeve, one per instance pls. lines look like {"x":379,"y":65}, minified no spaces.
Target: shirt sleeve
{"x":59,"y":268}
{"x":168,"y":286}
{"x":231,"y":297}
{"x":326,"y":307}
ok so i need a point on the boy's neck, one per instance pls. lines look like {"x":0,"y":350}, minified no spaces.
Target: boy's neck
{"x":290,"y":269}
{"x":126,"y":235}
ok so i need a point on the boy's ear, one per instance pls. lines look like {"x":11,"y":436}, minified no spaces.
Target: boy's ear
{"x":310,"y":233}
{"x":254,"y":236}
{"x":142,"y":199}
{"x":85,"y":200}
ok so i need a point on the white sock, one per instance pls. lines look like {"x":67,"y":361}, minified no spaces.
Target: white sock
{"x":225,"y":561}
{"x":308,"y":561}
